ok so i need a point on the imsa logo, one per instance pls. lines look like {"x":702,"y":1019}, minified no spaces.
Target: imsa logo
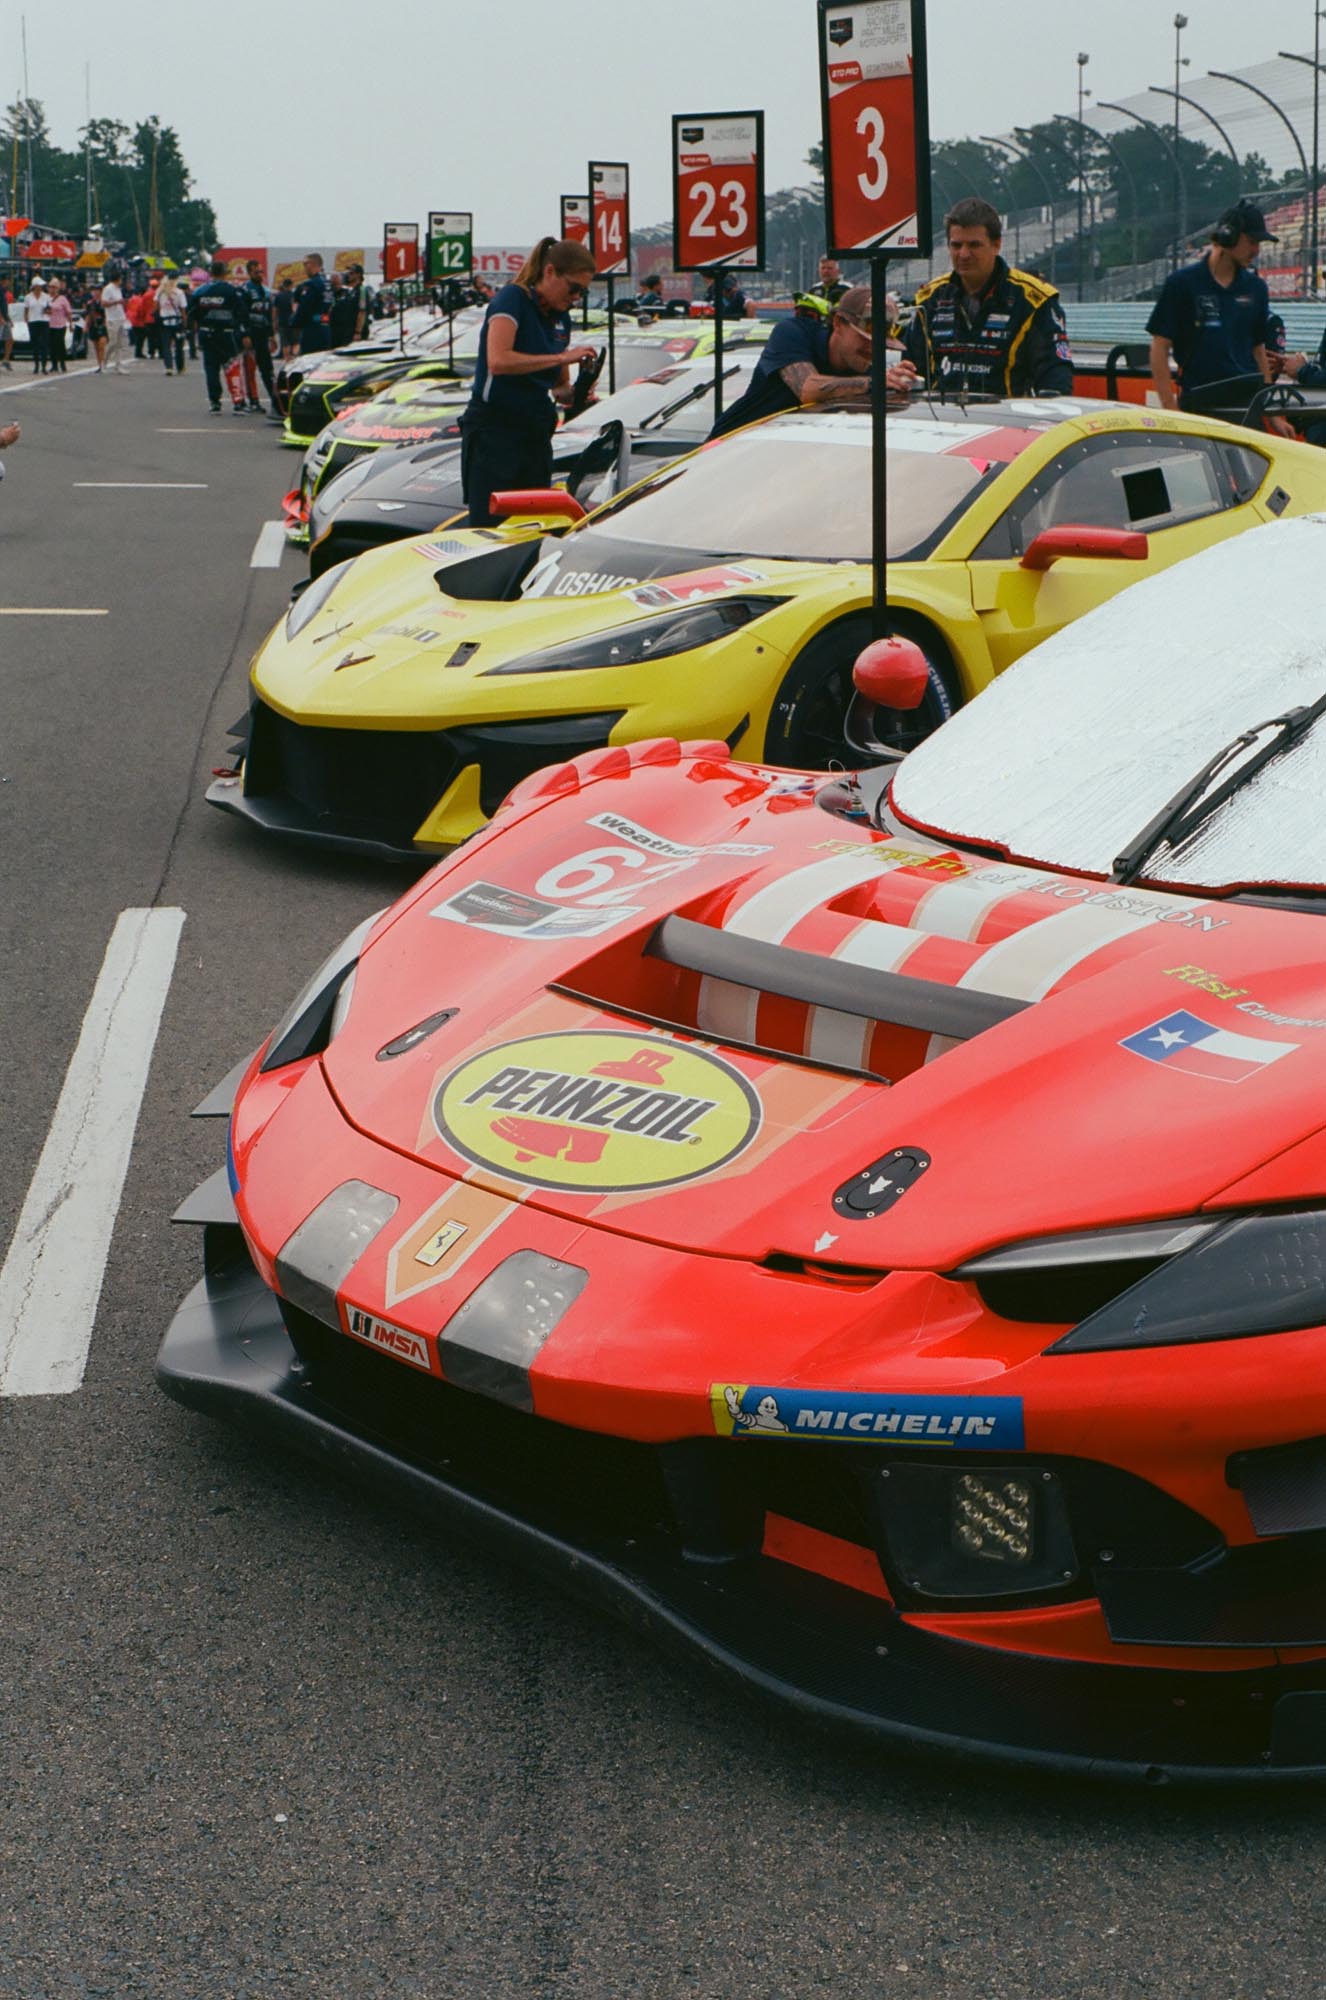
{"x":609,"y":1113}
{"x":381,"y":1333}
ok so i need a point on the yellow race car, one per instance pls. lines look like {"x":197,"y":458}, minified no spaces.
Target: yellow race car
{"x":725,"y":596}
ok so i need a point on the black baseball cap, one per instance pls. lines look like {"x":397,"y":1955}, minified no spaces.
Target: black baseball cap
{"x":1246,"y":219}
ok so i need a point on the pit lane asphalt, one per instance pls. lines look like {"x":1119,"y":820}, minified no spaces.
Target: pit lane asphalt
{"x":258,"y":1735}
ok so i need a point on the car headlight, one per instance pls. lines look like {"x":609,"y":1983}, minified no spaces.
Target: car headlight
{"x":681,"y":631}
{"x":344,"y":483}
{"x":316,"y":1017}
{"x":1167,"y":1284}
{"x":310,"y":602}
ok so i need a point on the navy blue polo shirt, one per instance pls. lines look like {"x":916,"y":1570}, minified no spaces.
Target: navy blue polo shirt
{"x":518,"y":399}
{"x":1212,"y":328}
{"x":791,"y":341}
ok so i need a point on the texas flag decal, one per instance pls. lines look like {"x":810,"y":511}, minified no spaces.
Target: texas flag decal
{"x":1185,"y":1042}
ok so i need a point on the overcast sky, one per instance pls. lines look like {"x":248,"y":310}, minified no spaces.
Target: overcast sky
{"x":318,"y":120}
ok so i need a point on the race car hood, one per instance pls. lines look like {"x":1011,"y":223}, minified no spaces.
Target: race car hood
{"x":392,"y":643}
{"x":624,"y":1005}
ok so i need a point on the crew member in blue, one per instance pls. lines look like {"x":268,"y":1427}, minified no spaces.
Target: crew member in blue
{"x":1302,"y":369}
{"x":816,"y":363}
{"x":987,"y":329}
{"x":523,"y":371}
{"x":727,"y":299}
{"x":1213,"y":317}
{"x":311,"y":319}
{"x":217,"y":314}
{"x":257,"y":335}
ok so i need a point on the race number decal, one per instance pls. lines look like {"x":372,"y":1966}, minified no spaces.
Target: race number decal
{"x":575,"y":218}
{"x":610,"y":196}
{"x":876,"y":128}
{"x":718,"y":191}
{"x":450,"y":245}
{"x":400,"y":250}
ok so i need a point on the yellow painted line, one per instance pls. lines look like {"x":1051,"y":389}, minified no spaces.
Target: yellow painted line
{"x":47,"y":611}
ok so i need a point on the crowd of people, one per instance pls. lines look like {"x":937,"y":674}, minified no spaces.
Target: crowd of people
{"x":237,"y":327}
{"x":984,"y":328}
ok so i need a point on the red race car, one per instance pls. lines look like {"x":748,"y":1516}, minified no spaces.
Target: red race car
{"x":872,"y":1230}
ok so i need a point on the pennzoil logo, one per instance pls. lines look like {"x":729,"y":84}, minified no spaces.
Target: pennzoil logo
{"x":606,"y":1113}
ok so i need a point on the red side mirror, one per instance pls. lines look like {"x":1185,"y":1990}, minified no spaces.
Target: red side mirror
{"x":537,"y":500}
{"x":1113,"y":544}
{"x":892,"y":673}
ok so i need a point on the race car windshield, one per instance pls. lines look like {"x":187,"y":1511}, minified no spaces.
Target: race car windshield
{"x":798,"y":489}
{"x":1162,"y":680}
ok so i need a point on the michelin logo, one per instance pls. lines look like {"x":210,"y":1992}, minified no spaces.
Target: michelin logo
{"x":963,"y":1423}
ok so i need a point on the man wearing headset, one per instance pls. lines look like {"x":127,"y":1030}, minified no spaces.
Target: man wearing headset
{"x":1213,"y":317}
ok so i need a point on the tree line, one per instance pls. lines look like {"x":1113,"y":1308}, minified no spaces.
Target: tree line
{"x":132,"y":180}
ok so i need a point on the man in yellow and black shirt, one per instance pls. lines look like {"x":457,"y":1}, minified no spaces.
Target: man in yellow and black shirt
{"x":986,"y":329}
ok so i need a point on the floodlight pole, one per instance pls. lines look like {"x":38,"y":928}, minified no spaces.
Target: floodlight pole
{"x":1082,"y":62}
{"x":1315,"y":63}
{"x":1309,"y":247}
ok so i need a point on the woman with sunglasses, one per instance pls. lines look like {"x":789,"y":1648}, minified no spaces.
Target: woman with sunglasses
{"x":525,"y":359}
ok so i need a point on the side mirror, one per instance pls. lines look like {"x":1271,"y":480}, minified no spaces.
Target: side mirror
{"x":1111,"y":544}
{"x":537,"y":500}
{"x":892,"y":673}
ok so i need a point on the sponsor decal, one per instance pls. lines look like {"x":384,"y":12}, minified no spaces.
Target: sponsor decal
{"x":597,"y":1113}
{"x":841,"y":30}
{"x":964,"y":1423}
{"x":929,"y":859}
{"x":389,"y":1338}
{"x":672,"y":850}
{"x":1186,"y":1043}
{"x":403,"y":432}
{"x":588,"y":583}
{"x":486,"y":906}
{"x":1204,"y":982}
{"x":1219,"y":989}
{"x":423,"y":635}
{"x":1190,"y":919}
{"x":693,"y":588}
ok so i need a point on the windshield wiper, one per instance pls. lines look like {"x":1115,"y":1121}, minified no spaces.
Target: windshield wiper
{"x":1191,"y":807}
{"x":658,"y":417}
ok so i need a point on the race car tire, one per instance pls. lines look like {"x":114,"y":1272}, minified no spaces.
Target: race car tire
{"x":806,"y":723}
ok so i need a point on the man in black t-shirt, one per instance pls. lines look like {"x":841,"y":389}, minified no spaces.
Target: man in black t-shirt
{"x":822,"y":364}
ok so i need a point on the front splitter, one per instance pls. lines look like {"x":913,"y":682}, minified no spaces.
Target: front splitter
{"x":834,"y":1656}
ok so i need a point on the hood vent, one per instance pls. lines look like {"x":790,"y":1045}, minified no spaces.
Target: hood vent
{"x":953,"y":1011}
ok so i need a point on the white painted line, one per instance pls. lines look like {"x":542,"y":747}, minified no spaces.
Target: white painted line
{"x":51,"y":1279}
{"x":43,"y":381}
{"x":142,"y":485}
{"x":268,"y":548}
{"x":47,"y":611}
